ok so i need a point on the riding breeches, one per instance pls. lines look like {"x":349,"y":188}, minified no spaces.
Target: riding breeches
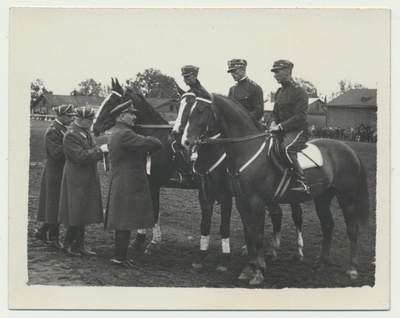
{"x":292,"y":143}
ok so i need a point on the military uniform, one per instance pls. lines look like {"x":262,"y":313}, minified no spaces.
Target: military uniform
{"x":129,"y":204}
{"x":50,"y":185}
{"x":246,"y":92}
{"x":290,"y":114}
{"x":80,"y":201}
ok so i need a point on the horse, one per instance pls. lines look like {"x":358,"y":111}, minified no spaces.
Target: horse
{"x":255,"y":177}
{"x":209,"y":169}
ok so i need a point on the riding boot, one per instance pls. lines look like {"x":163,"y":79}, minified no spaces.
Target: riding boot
{"x":54,"y":230}
{"x":301,"y":182}
{"x":79,"y":244}
{"x":69,"y":241}
{"x":182,"y":163}
{"x":121,"y":249}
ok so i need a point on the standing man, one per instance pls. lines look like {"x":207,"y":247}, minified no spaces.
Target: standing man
{"x":246,"y":92}
{"x":80,"y":202}
{"x":129,"y":204}
{"x":180,"y":154}
{"x":50,"y":186}
{"x":289,"y":118}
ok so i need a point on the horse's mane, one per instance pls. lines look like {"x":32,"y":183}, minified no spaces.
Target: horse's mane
{"x":239,"y":109}
{"x":148,"y":114}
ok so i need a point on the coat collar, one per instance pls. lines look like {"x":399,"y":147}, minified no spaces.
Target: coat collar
{"x":58,"y":125}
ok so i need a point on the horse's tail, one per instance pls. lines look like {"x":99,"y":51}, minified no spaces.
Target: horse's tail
{"x":362,"y":196}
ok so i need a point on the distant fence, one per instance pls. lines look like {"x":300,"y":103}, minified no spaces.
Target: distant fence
{"x":42,"y":117}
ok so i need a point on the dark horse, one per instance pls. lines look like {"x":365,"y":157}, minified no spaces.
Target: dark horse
{"x":209,"y":168}
{"x":341,"y":175}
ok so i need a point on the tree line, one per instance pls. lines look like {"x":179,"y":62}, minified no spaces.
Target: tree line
{"x":153,"y":83}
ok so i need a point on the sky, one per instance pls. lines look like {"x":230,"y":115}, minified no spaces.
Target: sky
{"x":64,"y":47}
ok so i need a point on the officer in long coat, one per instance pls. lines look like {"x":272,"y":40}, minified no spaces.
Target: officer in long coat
{"x":50,"y":186}
{"x":249,"y":94}
{"x":129,"y":204}
{"x":80,"y":202}
{"x":289,"y":119}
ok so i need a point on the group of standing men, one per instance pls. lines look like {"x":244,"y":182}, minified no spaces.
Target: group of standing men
{"x":70,"y":191}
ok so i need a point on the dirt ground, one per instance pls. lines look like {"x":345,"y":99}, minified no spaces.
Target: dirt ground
{"x":180,"y":223}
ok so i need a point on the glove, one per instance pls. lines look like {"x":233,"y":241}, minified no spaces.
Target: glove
{"x":104,"y":148}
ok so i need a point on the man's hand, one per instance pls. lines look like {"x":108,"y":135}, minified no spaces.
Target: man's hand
{"x":104,"y":148}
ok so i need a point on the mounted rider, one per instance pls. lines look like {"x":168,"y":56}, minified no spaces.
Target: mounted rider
{"x":289,"y":119}
{"x":180,"y":154}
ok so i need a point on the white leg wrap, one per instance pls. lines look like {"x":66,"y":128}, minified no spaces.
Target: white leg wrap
{"x":142,"y":231}
{"x":156,"y":234}
{"x":204,"y":242}
{"x":225,"y":245}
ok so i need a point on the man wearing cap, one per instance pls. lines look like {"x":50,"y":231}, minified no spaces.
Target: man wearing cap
{"x":51,"y":177}
{"x":289,"y":118}
{"x":181,"y":157}
{"x":129,"y":204}
{"x":80,"y":201}
{"x":246,"y":92}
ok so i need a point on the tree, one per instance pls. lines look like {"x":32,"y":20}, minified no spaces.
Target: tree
{"x":308,"y":86}
{"x":90,"y":88}
{"x":153,"y":83}
{"x":346,"y":86}
{"x":38,"y":89}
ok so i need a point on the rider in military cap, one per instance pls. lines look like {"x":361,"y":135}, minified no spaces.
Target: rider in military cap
{"x":289,"y":118}
{"x":246,"y":92}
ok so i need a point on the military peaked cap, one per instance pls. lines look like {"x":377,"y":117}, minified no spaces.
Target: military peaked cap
{"x":126,"y":107}
{"x":280,"y":64}
{"x":235,"y":64}
{"x":188,"y":70}
{"x":64,"y":110}
{"x":85,"y":112}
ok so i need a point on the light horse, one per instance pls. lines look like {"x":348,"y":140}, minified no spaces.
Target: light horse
{"x":252,"y":170}
{"x":209,"y":169}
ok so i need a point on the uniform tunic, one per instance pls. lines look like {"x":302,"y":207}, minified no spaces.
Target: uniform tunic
{"x":80,"y":202}
{"x":291,"y":107}
{"x":52,"y":173}
{"x":250,"y":96}
{"x":129,"y":204}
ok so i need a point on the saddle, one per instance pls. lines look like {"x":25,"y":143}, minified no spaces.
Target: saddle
{"x":309,"y":157}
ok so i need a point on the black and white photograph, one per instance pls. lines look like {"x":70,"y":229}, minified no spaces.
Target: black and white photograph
{"x":199,"y":158}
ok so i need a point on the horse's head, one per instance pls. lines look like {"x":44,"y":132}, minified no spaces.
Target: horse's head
{"x":186,"y":103}
{"x":198,"y":121}
{"x":103,"y":121}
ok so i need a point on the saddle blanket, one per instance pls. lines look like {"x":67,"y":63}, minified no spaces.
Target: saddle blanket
{"x":312,"y":152}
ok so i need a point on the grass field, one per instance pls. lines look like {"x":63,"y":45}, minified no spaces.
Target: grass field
{"x":180,"y":222}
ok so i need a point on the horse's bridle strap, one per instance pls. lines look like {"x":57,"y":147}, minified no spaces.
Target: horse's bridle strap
{"x":226,"y":140}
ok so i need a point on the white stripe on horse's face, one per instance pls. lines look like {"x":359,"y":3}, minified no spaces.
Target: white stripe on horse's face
{"x":178,"y":120}
{"x":184,"y":137}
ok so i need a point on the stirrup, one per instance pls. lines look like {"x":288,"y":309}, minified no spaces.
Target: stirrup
{"x":304,"y":187}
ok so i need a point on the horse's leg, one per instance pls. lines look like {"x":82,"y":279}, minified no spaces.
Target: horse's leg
{"x":349,"y":208}
{"x":258,"y":221}
{"x":323,"y":209}
{"x":206,"y":205}
{"x":275,"y":213}
{"x":297,"y":216}
{"x":225,"y":229}
{"x":154,"y":246}
{"x":243,"y":207}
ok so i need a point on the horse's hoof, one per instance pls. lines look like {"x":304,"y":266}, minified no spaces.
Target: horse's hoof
{"x":352,"y":273}
{"x":298,"y":257}
{"x":257,"y":278}
{"x":152,"y":248}
{"x":246,"y":274}
{"x":224,"y":262}
{"x":137,"y":245}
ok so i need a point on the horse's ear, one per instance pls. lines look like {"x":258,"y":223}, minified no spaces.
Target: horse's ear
{"x":117,"y":83}
{"x":112,"y":82}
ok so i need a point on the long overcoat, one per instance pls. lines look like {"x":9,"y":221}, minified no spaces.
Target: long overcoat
{"x":129,"y":204}
{"x":80,"y":201}
{"x":50,"y":185}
